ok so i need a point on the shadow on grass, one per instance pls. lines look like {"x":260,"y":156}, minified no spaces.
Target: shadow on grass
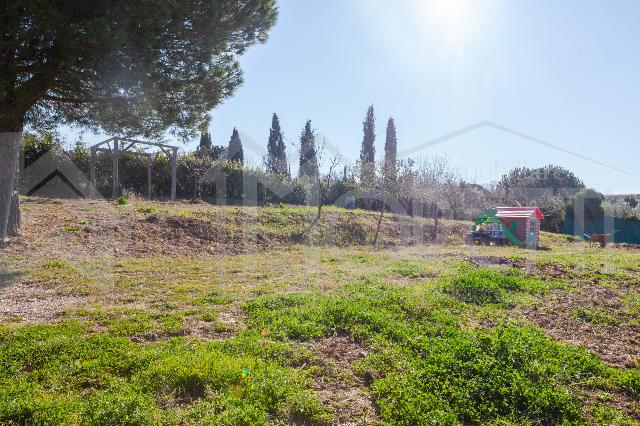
{"x":7,"y":278}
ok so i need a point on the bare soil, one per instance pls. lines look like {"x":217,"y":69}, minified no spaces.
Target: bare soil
{"x":617,"y":344}
{"x":342,"y":391}
{"x":34,"y":304}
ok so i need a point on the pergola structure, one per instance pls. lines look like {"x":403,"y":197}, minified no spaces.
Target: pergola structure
{"x":113,"y":146}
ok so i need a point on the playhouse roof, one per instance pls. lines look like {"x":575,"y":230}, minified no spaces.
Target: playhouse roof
{"x":518,"y":212}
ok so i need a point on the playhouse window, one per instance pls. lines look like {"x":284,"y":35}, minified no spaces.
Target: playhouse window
{"x":513,"y":226}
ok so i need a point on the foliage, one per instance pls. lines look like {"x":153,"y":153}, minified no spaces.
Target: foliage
{"x":390,"y":172}
{"x":122,"y":200}
{"x":420,"y":185}
{"x":368,"y":150}
{"x":308,"y":153}
{"x":631,"y":201}
{"x":205,"y":142}
{"x":276,"y":161}
{"x":524,"y":185}
{"x":553,"y":209}
{"x":119,"y":65}
{"x":207,"y":149}
{"x":587,"y":203}
{"x":235,"y":152}
{"x":35,"y":146}
{"x":146,"y":209}
{"x":546,"y":187}
{"x":622,"y":209}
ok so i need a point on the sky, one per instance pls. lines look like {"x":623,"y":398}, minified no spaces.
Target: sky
{"x":563,"y":74}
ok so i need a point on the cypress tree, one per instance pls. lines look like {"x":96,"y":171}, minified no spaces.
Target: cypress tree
{"x":205,"y":142}
{"x":368,"y":150}
{"x":235,"y":152}
{"x":308,"y":159}
{"x":205,"y":146}
{"x":276,"y":150}
{"x":390,"y":155}
{"x":283,"y":165}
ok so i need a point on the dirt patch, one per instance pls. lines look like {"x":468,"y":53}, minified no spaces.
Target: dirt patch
{"x":542,"y":271}
{"x":33,"y":304}
{"x":590,"y":315}
{"x":229,"y":322}
{"x":619,"y":401}
{"x":341,"y":390}
{"x":483,"y":261}
{"x":564,"y":315}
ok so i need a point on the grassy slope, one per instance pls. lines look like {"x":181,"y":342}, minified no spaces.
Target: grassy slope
{"x":446,"y":333}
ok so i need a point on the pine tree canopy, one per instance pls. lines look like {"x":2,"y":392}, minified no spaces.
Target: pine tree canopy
{"x":124,"y":67}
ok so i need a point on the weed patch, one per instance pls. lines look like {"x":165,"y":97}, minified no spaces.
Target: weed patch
{"x":146,"y":209}
{"x":485,"y":286}
{"x":595,"y":316}
{"x":425,"y":369}
{"x":55,"y":374}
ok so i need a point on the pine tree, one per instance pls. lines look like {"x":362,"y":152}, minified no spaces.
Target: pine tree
{"x":390,"y":156}
{"x":276,"y":149}
{"x":308,"y":159}
{"x":235,"y":152}
{"x":62,"y":63}
{"x":368,"y":150}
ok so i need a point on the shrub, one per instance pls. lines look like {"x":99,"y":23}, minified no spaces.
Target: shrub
{"x":146,"y":209}
{"x":485,"y":286}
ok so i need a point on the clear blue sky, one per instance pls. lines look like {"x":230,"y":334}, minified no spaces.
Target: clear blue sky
{"x":566,"y":72}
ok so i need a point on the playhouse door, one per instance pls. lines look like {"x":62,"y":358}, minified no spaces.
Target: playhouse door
{"x":533,"y":235}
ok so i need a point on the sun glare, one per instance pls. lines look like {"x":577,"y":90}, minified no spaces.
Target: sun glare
{"x":450,"y":20}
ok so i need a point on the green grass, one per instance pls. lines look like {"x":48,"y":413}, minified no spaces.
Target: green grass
{"x":633,"y":303}
{"x":409,"y":268}
{"x":227,"y":339}
{"x":57,"y":374}
{"x":428,"y":362}
{"x":121,"y":201}
{"x":141,"y":208}
{"x":426,"y":369}
{"x":595,"y":316}
{"x":486,"y":286}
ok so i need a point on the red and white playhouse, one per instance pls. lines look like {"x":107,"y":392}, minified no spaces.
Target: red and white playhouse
{"x":523,"y":222}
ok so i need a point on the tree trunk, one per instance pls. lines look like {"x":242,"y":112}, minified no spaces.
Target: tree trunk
{"x":319,"y":213}
{"x":13,"y":227}
{"x":9,"y":148}
{"x":375,"y":238}
{"x":435,"y":223}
